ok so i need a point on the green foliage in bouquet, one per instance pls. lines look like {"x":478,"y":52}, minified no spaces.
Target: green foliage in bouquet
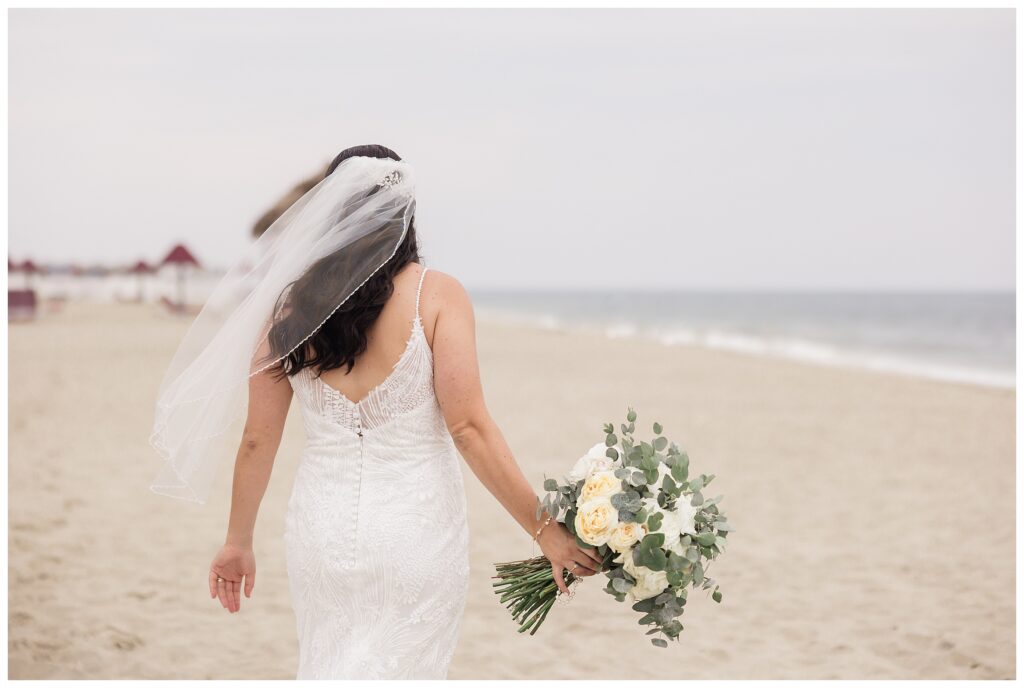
{"x":652,"y":525}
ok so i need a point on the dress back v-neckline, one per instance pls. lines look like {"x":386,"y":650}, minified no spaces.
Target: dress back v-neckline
{"x":407,"y":361}
{"x":410,"y":347}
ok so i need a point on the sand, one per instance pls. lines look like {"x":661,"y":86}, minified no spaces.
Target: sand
{"x":874,"y":516}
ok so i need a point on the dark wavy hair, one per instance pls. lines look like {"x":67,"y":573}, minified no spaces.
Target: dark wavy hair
{"x":342,"y":338}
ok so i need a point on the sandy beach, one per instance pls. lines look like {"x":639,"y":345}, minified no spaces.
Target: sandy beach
{"x":874,"y":516}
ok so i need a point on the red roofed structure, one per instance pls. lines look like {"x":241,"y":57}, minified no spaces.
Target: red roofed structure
{"x":180,"y":255}
{"x":141,"y":269}
{"x":182,"y":259}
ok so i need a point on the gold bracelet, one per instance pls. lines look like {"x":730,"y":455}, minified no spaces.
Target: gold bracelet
{"x":537,"y":534}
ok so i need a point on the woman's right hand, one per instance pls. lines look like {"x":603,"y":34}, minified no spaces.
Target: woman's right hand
{"x":231,"y":564}
{"x":562,"y":550}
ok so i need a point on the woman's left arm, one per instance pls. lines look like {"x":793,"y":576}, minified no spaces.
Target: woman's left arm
{"x":269,"y":399}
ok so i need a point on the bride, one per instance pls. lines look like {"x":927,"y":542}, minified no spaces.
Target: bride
{"x":334,"y":307}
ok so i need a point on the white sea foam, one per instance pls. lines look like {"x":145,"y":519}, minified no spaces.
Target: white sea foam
{"x":819,"y":353}
{"x":781,"y":347}
{"x":621,"y":330}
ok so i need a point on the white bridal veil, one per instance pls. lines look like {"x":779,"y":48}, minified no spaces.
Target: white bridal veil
{"x":355,"y":220}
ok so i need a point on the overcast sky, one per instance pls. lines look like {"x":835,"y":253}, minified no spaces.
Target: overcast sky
{"x":786,"y":149}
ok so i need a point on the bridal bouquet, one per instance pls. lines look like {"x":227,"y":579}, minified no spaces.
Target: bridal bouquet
{"x":637,"y":504}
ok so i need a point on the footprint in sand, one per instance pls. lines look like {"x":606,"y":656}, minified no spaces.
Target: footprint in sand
{"x":123,"y":640}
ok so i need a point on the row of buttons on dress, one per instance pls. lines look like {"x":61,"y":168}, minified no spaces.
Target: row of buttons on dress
{"x":359,"y":484}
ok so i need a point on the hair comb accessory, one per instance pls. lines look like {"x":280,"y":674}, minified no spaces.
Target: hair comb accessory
{"x":393,"y":178}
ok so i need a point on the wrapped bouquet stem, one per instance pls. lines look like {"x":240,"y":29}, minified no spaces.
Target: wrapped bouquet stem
{"x":637,"y":504}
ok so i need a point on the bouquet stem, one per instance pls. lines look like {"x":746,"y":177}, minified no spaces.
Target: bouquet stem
{"x":530,"y":590}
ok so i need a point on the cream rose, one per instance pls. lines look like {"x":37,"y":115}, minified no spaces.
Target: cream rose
{"x":626,"y":535}
{"x":600,"y":484}
{"x":594,"y":460}
{"x":596,"y":520}
{"x":648,"y":583}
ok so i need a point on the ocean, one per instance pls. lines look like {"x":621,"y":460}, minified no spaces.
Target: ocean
{"x":960,"y":337}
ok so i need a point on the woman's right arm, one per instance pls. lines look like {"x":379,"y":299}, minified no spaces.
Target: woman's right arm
{"x":482,"y":445}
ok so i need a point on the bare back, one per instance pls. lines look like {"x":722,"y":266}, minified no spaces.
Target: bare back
{"x":387,"y":338}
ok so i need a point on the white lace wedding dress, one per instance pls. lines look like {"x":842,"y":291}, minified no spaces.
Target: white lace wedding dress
{"x":376,"y":537}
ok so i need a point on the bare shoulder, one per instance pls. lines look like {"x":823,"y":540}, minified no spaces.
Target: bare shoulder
{"x":445,"y":286}
{"x":443,"y":296}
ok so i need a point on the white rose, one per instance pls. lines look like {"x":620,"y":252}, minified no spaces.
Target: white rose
{"x":600,"y":484}
{"x":596,"y":520}
{"x":594,"y":460}
{"x":686,"y":513}
{"x":626,"y":535}
{"x":648,"y":583}
{"x":673,"y":523}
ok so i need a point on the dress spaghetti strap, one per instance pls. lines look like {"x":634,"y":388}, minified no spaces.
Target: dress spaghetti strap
{"x":418,"y":290}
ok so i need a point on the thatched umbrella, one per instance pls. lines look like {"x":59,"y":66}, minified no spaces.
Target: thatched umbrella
{"x":182,"y":258}
{"x":268,"y":218}
{"x":140,"y":270}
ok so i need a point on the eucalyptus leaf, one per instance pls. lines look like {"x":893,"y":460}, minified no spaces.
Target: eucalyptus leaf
{"x":570,"y":521}
{"x":706,"y":538}
{"x":660,"y":642}
{"x":660,"y":443}
{"x":669,"y":485}
{"x":654,"y":521}
{"x":644,"y":605}
{"x":656,"y":560}
{"x":657,"y":428}
{"x":664,"y":597}
{"x":652,"y":540}
{"x":621,"y":585}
